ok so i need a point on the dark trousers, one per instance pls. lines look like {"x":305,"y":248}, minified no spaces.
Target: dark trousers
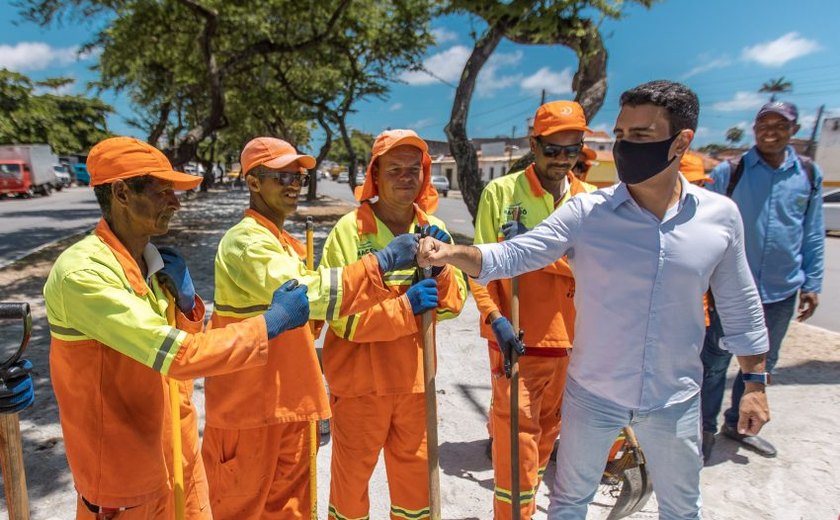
{"x":716,"y":360}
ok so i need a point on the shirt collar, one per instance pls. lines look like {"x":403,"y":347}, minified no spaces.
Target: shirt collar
{"x":129,"y":266}
{"x":280,"y":234}
{"x":621,"y":194}
{"x":753,"y":157}
{"x":154,"y":262}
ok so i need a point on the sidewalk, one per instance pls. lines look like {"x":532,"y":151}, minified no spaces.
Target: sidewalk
{"x":802,"y":483}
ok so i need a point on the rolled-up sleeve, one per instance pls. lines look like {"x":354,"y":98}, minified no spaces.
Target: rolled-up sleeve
{"x":541,"y":246}
{"x":736,"y":298}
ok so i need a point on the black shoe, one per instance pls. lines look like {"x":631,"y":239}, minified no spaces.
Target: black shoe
{"x":751,"y":442}
{"x":488,"y":450}
{"x":708,"y":444}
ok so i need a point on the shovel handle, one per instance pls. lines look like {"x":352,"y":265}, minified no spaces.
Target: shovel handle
{"x":11,"y":464}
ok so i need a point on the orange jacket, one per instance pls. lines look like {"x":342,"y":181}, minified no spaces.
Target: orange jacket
{"x":379,"y":351}
{"x":254,"y":258}
{"x":110,"y":344}
{"x":546,"y":296}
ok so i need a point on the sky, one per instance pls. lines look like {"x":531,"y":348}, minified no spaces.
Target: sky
{"x":723,"y":50}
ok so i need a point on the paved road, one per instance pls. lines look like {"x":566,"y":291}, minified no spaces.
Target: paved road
{"x":26,"y":224}
{"x":454,"y":212}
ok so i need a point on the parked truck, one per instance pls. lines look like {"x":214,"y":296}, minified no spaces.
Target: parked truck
{"x":27,"y":169}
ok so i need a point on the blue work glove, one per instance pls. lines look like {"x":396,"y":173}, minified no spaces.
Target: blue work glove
{"x":423,"y":296}
{"x":513,"y":228}
{"x":508,"y":340}
{"x":438,"y":234}
{"x":17,"y":391}
{"x":176,"y":278}
{"x":289,"y":309}
{"x":399,"y":253}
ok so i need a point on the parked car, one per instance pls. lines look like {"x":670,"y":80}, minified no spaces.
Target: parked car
{"x":343,"y":177}
{"x":360,"y":178}
{"x":62,"y":176}
{"x":82,"y":174}
{"x":441,"y":184}
{"x":831,"y":209}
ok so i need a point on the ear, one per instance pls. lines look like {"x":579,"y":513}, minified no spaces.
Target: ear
{"x":683,"y":142}
{"x":119,"y":192}
{"x":253,"y":183}
{"x":532,"y":144}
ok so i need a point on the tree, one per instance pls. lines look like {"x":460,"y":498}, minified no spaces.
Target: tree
{"x":68,"y":123}
{"x":191,"y":67}
{"x":734,"y":135}
{"x":776,"y":86}
{"x":362,"y":143}
{"x":548,"y":22}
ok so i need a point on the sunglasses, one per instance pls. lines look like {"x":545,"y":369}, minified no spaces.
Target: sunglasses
{"x":287,"y":178}
{"x":553,"y":150}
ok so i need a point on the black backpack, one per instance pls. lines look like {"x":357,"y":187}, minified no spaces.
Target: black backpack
{"x":738,"y":172}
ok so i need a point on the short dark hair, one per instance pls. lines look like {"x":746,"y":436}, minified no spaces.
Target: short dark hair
{"x":680,"y":101}
{"x":103,"y":192}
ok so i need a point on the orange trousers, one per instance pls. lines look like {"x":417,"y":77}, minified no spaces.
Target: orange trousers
{"x":361,"y":428}
{"x":541,"y":384}
{"x":258,"y":473}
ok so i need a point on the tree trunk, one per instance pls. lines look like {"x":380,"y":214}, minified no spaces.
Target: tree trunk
{"x":460,"y":146}
{"x":312,"y":194}
{"x":351,"y":154}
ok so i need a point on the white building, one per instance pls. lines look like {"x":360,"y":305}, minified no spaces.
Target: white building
{"x":828,"y":152}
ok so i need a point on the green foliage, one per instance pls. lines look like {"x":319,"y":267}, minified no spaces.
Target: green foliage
{"x":362,"y":144}
{"x":776,"y":86}
{"x":734,"y":135}
{"x":68,"y":123}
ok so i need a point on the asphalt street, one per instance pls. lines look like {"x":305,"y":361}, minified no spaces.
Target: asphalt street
{"x":26,"y":224}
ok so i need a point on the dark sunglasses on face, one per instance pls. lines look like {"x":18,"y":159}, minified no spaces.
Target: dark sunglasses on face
{"x":554,"y":150}
{"x":288,"y":178}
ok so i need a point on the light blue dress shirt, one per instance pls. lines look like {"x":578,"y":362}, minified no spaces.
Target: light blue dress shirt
{"x":639,"y":289}
{"x":784,"y":244}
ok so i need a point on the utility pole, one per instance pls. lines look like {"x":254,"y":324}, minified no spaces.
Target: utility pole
{"x":542,"y":98}
{"x":809,"y":150}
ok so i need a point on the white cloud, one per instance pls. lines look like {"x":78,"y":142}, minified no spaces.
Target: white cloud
{"x":702,"y":132}
{"x":442,"y":35}
{"x":490,"y":81}
{"x":708,"y":63}
{"x":28,"y":56}
{"x":742,"y":101}
{"x":421,"y":123}
{"x":395,"y":107}
{"x":777,"y":52}
{"x":555,"y":83}
{"x":446,"y":65}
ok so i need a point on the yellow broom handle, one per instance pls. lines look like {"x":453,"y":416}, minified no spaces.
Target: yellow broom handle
{"x":175,"y":413}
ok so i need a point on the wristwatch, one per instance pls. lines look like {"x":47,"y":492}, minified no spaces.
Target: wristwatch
{"x":756,"y":377}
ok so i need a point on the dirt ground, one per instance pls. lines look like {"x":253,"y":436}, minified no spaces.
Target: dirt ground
{"x":802,"y":483}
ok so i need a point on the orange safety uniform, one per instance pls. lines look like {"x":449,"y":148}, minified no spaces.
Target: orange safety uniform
{"x":111,"y":345}
{"x":256,"y":443}
{"x":373,"y":362}
{"x":547,"y":316}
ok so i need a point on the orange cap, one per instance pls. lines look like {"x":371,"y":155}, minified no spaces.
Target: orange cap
{"x":559,"y":116}
{"x":427,"y":199}
{"x":272,"y":153}
{"x":691,"y":166}
{"x":127,"y":157}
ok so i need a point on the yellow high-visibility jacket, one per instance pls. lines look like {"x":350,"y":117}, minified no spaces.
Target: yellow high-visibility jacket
{"x":379,"y":351}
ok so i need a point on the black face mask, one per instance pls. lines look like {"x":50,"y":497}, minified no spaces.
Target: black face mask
{"x":638,"y":162}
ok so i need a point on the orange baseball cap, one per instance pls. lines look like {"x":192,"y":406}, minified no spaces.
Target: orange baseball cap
{"x":272,"y":153}
{"x":427,"y":199}
{"x":691,"y":166}
{"x":126,"y":157}
{"x":559,"y":116}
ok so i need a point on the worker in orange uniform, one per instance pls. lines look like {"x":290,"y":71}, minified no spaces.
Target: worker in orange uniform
{"x":373,"y":360}
{"x":691,"y":167}
{"x":547,"y":310}
{"x":256,"y":443}
{"x":584,"y":163}
{"x":112,"y":345}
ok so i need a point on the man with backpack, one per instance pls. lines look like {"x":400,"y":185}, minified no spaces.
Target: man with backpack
{"x":779,"y":195}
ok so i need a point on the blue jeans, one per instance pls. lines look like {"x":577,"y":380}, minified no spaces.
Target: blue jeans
{"x":670,"y":439}
{"x":777,"y":318}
